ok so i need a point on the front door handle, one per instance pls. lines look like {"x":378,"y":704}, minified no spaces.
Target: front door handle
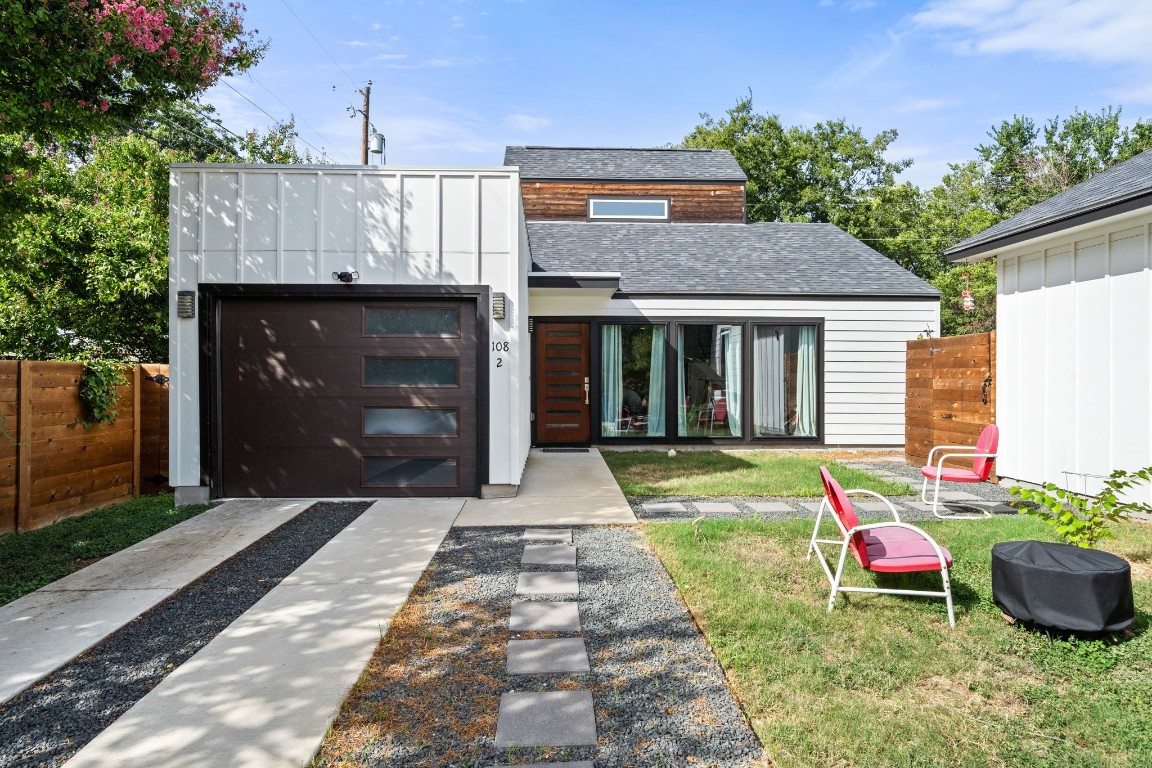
{"x":586,"y":387}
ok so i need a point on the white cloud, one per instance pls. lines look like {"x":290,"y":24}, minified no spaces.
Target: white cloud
{"x":1100,"y":31}
{"x":526,"y":123}
{"x":865,"y":62}
{"x":457,"y":22}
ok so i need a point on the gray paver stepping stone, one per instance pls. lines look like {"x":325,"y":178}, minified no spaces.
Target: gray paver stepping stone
{"x":717,"y":507}
{"x":811,"y":506}
{"x":873,"y":506}
{"x":665,"y":508}
{"x":548,"y":583}
{"x":958,"y":496}
{"x":548,"y":554}
{"x":550,"y":719}
{"x":555,"y":535}
{"x":547,"y":657}
{"x":766,"y":507}
{"x":544,"y":616}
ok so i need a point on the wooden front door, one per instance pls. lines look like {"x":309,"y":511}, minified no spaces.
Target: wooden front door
{"x":563,"y":383}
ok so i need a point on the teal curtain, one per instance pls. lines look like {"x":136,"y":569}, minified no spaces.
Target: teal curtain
{"x":611,"y":380}
{"x":806,"y":382}
{"x":656,"y":397}
{"x":733,"y":369}
{"x":681,"y":402}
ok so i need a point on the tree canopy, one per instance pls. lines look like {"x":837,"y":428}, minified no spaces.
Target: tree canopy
{"x":75,"y":68}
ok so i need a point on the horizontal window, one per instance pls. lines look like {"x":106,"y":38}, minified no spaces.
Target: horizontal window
{"x":652,"y":208}
{"x":410,"y":421}
{"x":411,"y":321}
{"x":410,"y":372}
{"x":399,"y":471}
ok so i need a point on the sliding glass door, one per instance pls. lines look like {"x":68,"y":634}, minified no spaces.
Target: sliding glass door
{"x":784,"y":399}
{"x":709,"y":387}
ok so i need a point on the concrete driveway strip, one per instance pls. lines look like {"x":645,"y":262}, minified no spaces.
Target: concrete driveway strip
{"x":44,"y":630}
{"x":265,"y":690}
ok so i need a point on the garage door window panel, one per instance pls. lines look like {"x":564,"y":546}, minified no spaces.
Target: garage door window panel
{"x":410,"y":471}
{"x":411,"y":372}
{"x":442,"y":322}
{"x":401,"y":422}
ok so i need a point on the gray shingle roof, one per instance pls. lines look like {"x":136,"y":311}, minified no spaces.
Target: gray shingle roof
{"x":603,"y":164}
{"x":1129,"y":179}
{"x":748,"y":259}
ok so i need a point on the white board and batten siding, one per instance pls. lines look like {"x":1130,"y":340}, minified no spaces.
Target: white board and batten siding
{"x":1074,"y":354}
{"x":296,"y":225}
{"x":865,"y":343}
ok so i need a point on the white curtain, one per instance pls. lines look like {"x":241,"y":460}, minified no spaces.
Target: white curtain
{"x":656,"y":384}
{"x":768,"y":398}
{"x":681,"y":403}
{"x":806,"y":383}
{"x":733,"y":362}
{"x":611,"y":380}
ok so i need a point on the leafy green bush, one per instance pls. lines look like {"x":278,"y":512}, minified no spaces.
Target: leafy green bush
{"x":1084,"y":520}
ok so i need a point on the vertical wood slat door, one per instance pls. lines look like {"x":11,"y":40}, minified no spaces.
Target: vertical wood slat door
{"x":563,"y":378}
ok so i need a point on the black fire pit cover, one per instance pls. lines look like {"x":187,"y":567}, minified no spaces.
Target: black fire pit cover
{"x":1062,"y":587}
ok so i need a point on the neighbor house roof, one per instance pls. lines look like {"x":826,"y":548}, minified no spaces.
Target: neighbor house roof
{"x":773,"y":258}
{"x":601,"y":164}
{"x":1121,"y":188}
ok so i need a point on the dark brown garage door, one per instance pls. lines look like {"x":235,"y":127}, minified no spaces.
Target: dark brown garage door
{"x":322,"y":397}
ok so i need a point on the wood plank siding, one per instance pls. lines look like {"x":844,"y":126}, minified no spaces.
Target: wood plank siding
{"x":691,"y":202}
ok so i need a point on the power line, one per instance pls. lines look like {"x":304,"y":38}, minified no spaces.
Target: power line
{"x":293,"y":112}
{"x":350,"y":80}
{"x":271,"y":117}
{"x":197,"y":134}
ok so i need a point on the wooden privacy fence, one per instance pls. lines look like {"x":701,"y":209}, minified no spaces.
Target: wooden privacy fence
{"x":52,"y":466}
{"x":950,"y":395}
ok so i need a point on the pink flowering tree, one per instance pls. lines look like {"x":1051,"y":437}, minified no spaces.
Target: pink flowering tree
{"x":76,"y":68}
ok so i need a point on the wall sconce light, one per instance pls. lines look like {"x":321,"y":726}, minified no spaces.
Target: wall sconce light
{"x":499,"y":306}
{"x":345,"y":277}
{"x":186,"y":304}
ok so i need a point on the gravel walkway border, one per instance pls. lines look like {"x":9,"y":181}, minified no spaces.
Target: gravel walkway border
{"x":51,"y":721}
{"x":430,"y":697}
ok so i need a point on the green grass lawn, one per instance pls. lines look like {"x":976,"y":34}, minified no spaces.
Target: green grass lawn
{"x":883,"y":681}
{"x":30,"y":560}
{"x":735,"y":473}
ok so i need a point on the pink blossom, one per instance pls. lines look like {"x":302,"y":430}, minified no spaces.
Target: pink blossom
{"x":47,"y":105}
{"x":114,"y":60}
{"x":7,"y":177}
{"x":103,"y":106}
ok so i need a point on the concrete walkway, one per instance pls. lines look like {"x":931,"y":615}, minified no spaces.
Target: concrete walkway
{"x":265,"y":690}
{"x":557,"y":489}
{"x":44,"y":630}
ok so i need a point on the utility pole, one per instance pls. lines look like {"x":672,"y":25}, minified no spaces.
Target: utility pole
{"x":364,"y":125}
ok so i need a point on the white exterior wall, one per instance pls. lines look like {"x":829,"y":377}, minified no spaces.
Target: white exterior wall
{"x":1074,"y":354}
{"x":865,"y":347}
{"x":295,"y":225}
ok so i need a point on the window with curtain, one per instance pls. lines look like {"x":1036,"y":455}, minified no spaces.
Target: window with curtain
{"x":784,"y":381}
{"x":632,"y":380}
{"x":709,"y":372}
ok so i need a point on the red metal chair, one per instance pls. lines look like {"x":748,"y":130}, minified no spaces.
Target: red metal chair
{"x":715,"y":414}
{"x":878,"y":547}
{"x":982,"y":455}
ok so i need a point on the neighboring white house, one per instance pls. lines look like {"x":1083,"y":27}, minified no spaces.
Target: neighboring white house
{"x":410,"y":331}
{"x":1074,"y":330}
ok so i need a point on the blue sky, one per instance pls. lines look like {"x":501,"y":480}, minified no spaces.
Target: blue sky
{"x":456,"y":81}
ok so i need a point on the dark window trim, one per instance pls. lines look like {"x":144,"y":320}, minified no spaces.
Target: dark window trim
{"x":364,"y":370}
{"x":414,"y":305}
{"x":365,"y":484}
{"x":671,"y":351}
{"x":403,"y":435}
{"x":211,"y":297}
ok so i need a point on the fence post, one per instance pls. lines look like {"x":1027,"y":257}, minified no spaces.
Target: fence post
{"x":136,"y":430}
{"x":23,"y":446}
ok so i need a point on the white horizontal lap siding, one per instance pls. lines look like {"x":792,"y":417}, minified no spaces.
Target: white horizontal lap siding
{"x":394,"y":226}
{"x":864,"y":348}
{"x":1074,"y":354}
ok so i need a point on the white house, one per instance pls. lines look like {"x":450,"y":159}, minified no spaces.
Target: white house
{"x":1074,"y":330}
{"x":409,"y":331}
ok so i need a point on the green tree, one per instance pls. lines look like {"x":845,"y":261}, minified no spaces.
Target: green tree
{"x":75,"y":68}
{"x":830,"y":173}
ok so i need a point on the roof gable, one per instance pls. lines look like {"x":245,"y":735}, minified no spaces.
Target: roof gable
{"x":607,"y":164}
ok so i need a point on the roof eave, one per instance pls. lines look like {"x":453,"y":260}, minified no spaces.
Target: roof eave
{"x":977,"y":251}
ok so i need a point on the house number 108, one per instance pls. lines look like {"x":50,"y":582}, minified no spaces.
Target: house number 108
{"x":500,"y":346}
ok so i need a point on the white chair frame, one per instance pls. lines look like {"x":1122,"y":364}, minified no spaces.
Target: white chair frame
{"x":846,"y":538}
{"x":966,"y":452}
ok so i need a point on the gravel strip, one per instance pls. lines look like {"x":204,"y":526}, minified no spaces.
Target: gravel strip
{"x":51,"y":721}
{"x":431,"y":695}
